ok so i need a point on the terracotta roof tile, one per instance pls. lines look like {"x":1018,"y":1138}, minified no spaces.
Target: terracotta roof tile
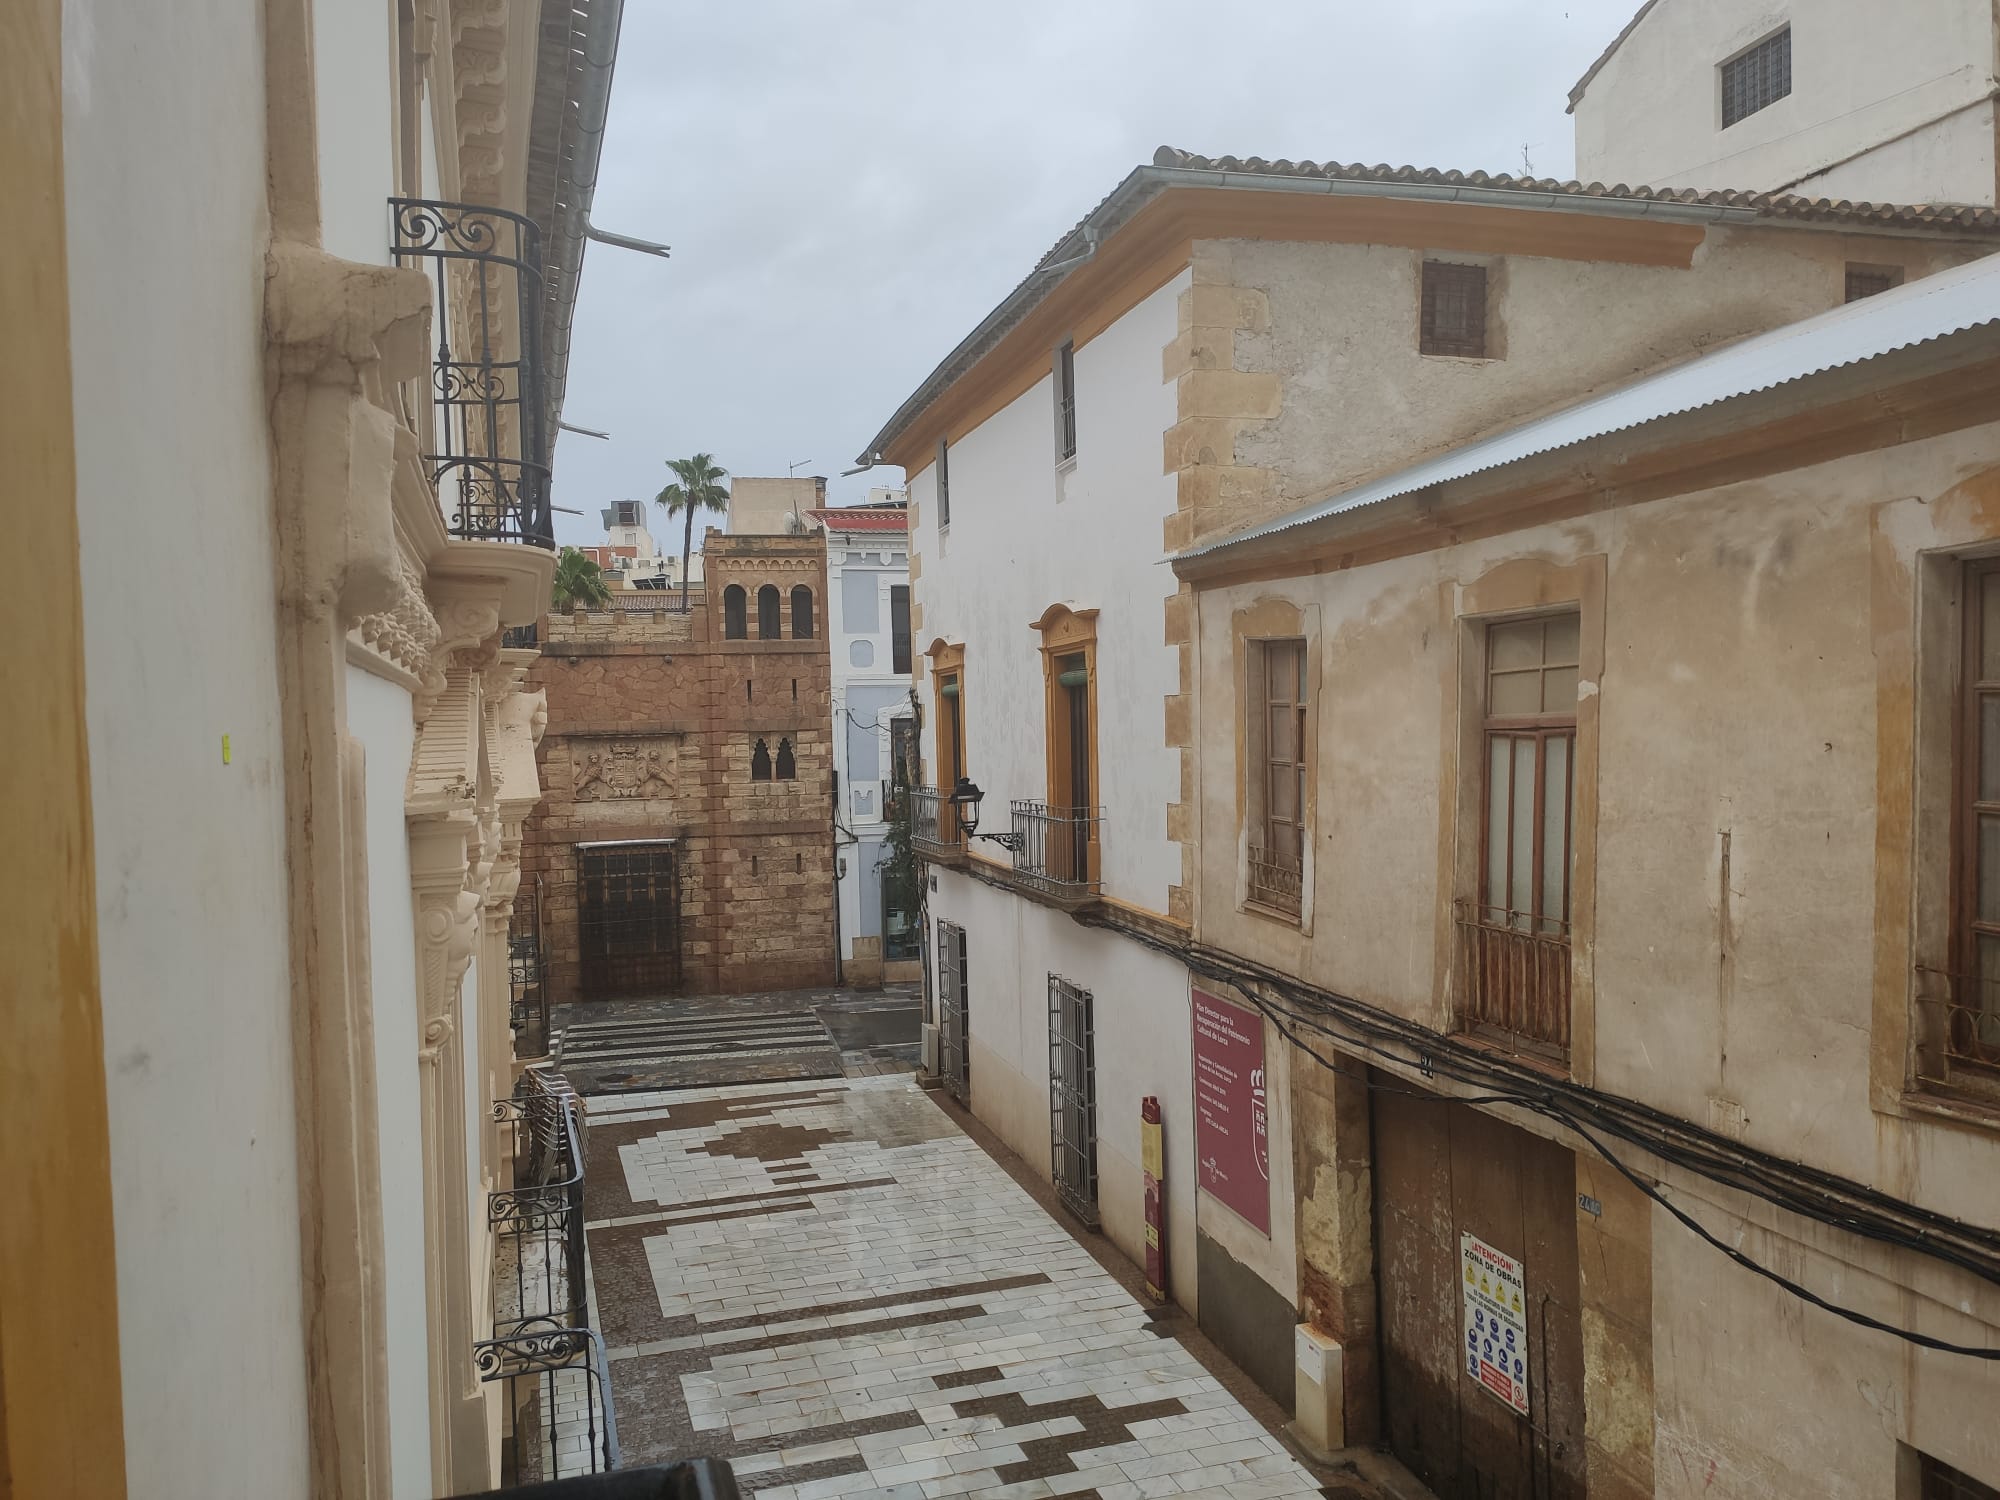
{"x":862,"y":518}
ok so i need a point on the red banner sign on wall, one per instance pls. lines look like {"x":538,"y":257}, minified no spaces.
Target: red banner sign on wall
{"x":1231,"y":1141}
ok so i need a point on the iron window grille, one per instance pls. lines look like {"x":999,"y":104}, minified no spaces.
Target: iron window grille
{"x":629,"y":917}
{"x":1454,"y":310}
{"x":943,"y":487}
{"x":1065,"y":384}
{"x":1870,"y":281}
{"x":488,"y":444}
{"x":1938,"y":1480}
{"x":1758,"y":78}
{"x":527,"y":974}
{"x":954,"y":1014}
{"x":1073,"y":1098}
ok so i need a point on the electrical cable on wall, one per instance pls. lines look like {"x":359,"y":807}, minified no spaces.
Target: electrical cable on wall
{"x":1437,"y":1055}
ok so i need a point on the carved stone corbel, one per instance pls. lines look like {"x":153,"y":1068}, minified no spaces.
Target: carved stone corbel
{"x":447,"y":923}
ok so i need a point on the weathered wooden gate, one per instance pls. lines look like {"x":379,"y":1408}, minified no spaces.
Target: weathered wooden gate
{"x":1444,"y":1171}
{"x":628,"y":918}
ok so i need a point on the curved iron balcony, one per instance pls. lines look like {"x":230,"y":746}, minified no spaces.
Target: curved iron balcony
{"x":488,"y":444}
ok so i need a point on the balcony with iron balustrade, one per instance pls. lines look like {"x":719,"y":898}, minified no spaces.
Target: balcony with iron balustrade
{"x":1056,"y":851}
{"x":487,"y":448}
{"x":1513,"y":980}
{"x":934,"y":828}
{"x":1276,"y":881}
{"x":1957,"y":1023}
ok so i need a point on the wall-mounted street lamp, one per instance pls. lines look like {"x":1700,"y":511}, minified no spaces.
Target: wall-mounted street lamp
{"x":965,"y":799}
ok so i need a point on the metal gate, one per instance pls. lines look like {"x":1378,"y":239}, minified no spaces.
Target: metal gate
{"x":628,"y":918}
{"x":1073,"y":1098}
{"x":1444,"y":1171}
{"x":954,"y":1053}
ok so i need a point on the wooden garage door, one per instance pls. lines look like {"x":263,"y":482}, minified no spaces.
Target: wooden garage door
{"x":1443,"y":1170}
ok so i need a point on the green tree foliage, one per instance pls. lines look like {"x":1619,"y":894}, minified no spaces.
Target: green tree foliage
{"x":578,"y":582}
{"x":697,"y":487}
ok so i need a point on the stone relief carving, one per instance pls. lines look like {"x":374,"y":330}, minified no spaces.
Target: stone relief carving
{"x":613,"y":770}
{"x":407,"y":632}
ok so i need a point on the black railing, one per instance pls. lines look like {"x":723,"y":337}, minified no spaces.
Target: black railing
{"x":521,"y":638}
{"x":558,"y":1414}
{"x":1055,"y":848}
{"x":933,"y":824}
{"x":488,"y":449}
{"x":527,"y":973}
{"x":695,"y":1479}
{"x":1958,"y":1032}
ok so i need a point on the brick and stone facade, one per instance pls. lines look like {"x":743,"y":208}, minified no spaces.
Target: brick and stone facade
{"x":654,"y":720}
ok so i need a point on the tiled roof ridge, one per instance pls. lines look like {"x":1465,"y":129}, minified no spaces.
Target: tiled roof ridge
{"x":1777,"y":205}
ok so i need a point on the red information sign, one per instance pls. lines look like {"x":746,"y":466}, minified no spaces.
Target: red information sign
{"x":1231,"y":1142}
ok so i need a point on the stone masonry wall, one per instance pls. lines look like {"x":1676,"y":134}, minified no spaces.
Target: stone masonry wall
{"x":653,"y":720}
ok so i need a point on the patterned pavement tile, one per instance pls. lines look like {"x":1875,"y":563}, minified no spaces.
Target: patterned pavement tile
{"x":828,"y":1284}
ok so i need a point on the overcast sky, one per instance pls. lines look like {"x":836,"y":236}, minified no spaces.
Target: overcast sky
{"x":849,"y":186}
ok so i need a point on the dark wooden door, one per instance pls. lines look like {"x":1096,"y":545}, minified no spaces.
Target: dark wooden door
{"x":629,"y":919}
{"x":1442,"y":1171}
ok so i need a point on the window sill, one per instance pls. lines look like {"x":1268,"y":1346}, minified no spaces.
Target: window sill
{"x":1277,"y":914}
{"x":1956,"y":1108}
{"x":1462,"y":359}
{"x":1528,"y":1055}
{"x":1066,"y":465}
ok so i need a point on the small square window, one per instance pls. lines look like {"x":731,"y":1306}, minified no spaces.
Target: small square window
{"x":1454,"y":310}
{"x":1867,"y":281}
{"x":1758,"y":78}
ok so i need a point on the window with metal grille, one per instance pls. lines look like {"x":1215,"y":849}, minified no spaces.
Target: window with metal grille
{"x":1758,"y":78}
{"x":1064,"y":365}
{"x":1073,"y":1098}
{"x":1277,"y":780}
{"x":954,"y":1011}
{"x":1454,"y":310}
{"x":943,"y":487}
{"x":1969,"y":1021}
{"x":1867,"y":281}
{"x":899,"y":628}
{"x":1938,"y":1480}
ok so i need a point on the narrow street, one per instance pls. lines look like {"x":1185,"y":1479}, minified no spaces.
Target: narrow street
{"x":829,"y":1283}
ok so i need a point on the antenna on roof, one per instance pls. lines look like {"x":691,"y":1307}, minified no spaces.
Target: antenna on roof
{"x":794,"y":467}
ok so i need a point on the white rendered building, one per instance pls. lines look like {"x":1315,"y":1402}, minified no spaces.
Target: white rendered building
{"x":874,"y":723}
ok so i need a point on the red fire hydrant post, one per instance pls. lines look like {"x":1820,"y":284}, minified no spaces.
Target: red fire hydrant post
{"x":1152,"y":1153}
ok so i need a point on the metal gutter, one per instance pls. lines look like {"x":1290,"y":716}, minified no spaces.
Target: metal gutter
{"x":568,"y":235}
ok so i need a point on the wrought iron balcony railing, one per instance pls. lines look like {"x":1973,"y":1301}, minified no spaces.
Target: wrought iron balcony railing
{"x":558,"y":1414}
{"x":1276,"y":880}
{"x":693,"y":1479}
{"x":1055,"y":849}
{"x":1958,"y":1033}
{"x":1514,"y":978}
{"x":488,"y":448}
{"x":934,"y":832}
{"x":527,"y":973}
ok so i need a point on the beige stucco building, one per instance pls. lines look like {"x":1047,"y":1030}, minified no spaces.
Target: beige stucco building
{"x":1247,"y":817}
{"x":285,"y":489}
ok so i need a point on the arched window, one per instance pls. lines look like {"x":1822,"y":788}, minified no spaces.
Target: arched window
{"x":768,"y":611}
{"x":760,"y":762}
{"x":802,"y":613}
{"x":788,"y":767}
{"x":735,"y":613}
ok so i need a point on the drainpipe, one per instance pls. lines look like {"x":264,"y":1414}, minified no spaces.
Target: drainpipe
{"x":839,"y":971}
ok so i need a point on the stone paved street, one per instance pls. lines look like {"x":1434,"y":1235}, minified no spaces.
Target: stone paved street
{"x":829,"y":1284}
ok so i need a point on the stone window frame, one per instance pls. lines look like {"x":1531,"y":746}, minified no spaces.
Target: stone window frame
{"x":1917,"y":625}
{"x":1273,"y":618}
{"x":1513,"y":589}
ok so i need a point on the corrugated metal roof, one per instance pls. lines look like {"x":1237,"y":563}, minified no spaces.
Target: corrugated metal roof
{"x":1934,"y":307}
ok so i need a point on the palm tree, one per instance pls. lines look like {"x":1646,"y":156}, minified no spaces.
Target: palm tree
{"x":695,"y":488}
{"x":578,"y":582}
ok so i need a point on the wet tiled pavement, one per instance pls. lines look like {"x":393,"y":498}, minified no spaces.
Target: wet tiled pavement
{"x":830,"y":1285}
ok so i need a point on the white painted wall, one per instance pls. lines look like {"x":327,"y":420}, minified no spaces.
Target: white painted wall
{"x":354,"y":43}
{"x":1863,"y":74}
{"x":866,"y":691}
{"x":1023,"y":536}
{"x":175,"y":514}
{"x":378,"y":714}
{"x":1144,"y":1046}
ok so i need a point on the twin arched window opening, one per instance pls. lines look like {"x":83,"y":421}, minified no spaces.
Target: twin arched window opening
{"x":770,"y":613}
{"x":787,"y":765}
